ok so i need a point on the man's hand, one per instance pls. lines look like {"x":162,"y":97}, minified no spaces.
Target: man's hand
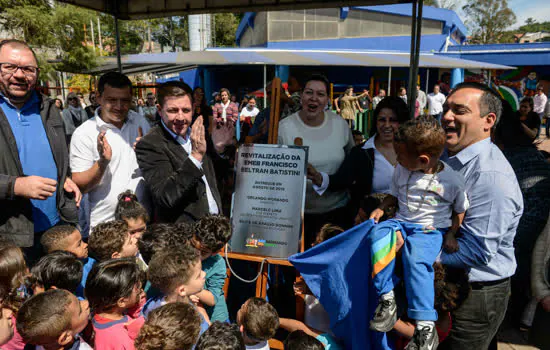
{"x":545,"y":303}
{"x":223,"y":136}
{"x":450,"y":244}
{"x":104,"y":148}
{"x":34,"y":187}
{"x":71,"y":187}
{"x":198,"y":139}
{"x":314,"y":175}
{"x":376,"y":214}
{"x":140,"y":135}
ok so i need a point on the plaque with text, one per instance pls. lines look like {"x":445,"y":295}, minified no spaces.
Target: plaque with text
{"x":268,"y":204}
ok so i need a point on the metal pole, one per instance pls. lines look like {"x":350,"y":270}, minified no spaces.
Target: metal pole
{"x":63,"y":88}
{"x":93,"y":36}
{"x":265,"y":83}
{"x":417,"y":53}
{"x":389,"y":83}
{"x":427,"y":79}
{"x":489,"y":76}
{"x":99,"y":34}
{"x":117,"y":36}
{"x":411,"y":87}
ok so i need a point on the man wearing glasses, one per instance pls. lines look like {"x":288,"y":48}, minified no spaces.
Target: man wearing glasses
{"x":102,"y":158}
{"x":35,"y":190}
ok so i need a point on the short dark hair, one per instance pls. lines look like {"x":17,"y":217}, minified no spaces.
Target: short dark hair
{"x":115,"y":80}
{"x":171,"y":326}
{"x":396,"y":104}
{"x":160,"y":237}
{"x":173,"y":88}
{"x":172,"y":268}
{"x":357,"y":133}
{"x":489,"y":102}
{"x":107,"y":238}
{"x":128,"y":207}
{"x":59,"y":269}
{"x":221,"y":336}
{"x":327,"y":232}
{"x":54,"y":238}
{"x":111,"y":280}
{"x":213,"y":232}
{"x":318,"y":77}
{"x":299,"y":340}
{"x":43,"y":317}
{"x":225,"y":90}
{"x":506,"y":132}
{"x":18,"y":43}
{"x":259,"y":319}
{"x":529,"y":101}
{"x":423,"y":135}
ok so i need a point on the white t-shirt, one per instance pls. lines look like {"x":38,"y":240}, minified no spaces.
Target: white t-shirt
{"x":383,"y":170}
{"x":435,"y":103}
{"x":260,"y":346}
{"x":250,"y":112}
{"x":446,"y":193}
{"x":121,"y":174}
{"x":328,"y":145}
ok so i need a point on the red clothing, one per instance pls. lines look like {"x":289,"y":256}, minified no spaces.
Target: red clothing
{"x":16,"y":342}
{"x":232,"y":112}
{"x":116,"y":334}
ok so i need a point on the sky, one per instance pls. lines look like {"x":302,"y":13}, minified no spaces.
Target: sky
{"x":538,"y":9}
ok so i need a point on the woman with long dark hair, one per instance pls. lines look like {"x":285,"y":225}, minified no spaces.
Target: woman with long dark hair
{"x":200,"y":107}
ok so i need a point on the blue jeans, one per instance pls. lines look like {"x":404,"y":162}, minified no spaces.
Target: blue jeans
{"x":419,"y":252}
{"x":437,"y":117}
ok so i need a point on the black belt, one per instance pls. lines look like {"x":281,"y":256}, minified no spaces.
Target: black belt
{"x":481,"y":285}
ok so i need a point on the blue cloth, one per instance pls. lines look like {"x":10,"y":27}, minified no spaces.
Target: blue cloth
{"x":35,"y":155}
{"x":338,"y":273}
{"x":255,"y":130}
{"x":329,"y":342}
{"x":215,"y":270}
{"x":496,"y":206}
{"x":88,"y":263}
{"x":419,"y":252}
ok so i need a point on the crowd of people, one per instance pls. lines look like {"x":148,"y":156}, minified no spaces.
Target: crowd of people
{"x":115,"y":214}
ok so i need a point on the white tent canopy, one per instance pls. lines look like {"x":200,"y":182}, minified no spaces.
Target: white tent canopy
{"x":165,"y":63}
{"x":140,"y":9}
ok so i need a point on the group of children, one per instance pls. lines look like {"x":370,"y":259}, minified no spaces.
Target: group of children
{"x":141,"y":286}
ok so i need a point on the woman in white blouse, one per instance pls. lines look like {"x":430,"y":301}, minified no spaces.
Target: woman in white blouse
{"x":368,"y":168}
{"x":329,"y":140}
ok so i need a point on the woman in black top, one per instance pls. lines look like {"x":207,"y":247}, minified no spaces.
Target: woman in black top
{"x":530,"y":121}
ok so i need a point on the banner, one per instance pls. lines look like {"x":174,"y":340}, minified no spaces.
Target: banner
{"x":268,"y":203}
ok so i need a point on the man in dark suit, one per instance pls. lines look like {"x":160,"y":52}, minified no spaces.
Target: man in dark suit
{"x":176,"y":159}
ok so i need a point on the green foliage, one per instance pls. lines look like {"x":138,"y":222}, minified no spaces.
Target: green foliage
{"x":533,"y":27}
{"x":444,"y":4}
{"x":80,"y":83}
{"x":225,"y":27}
{"x":488,"y":20}
{"x":171,"y":32}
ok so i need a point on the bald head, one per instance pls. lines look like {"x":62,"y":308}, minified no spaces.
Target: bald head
{"x":18,"y":71}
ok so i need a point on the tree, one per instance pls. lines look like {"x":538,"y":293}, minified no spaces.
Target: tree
{"x":171,"y":32}
{"x":444,"y":4}
{"x":529,"y":21}
{"x":488,"y":20}
{"x":224,"y":29}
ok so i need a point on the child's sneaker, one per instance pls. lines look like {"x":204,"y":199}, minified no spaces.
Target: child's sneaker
{"x":425,"y":338}
{"x":385,"y":315}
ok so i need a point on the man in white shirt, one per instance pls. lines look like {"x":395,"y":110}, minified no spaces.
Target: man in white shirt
{"x":435,"y":103}
{"x":539,"y":101}
{"x":422,"y":99}
{"x":102,"y":156}
{"x":376,"y":100}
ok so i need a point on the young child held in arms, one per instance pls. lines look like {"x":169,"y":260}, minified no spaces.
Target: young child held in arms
{"x":174,"y":326}
{"x":431,"y":201}
{"x":13,"y":291}
{"x":130,"y":210}
{"x":114,"y":288}
{"x":211,"y":234}
{"x":111,"y":240}
{"x":177,"y":274}
{"x":57,"y":270}
{"x":67,"y":238}
{"x":53,"y":320}
{"x":221,"y":336}
{"x":258,"y":321}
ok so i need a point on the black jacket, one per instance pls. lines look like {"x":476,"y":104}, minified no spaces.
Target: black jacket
{"x":176,"y":185}
{"x":16,"y":212}
{"x":355,"y":174}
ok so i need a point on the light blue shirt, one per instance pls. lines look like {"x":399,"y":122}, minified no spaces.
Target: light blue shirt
{"x":35,"y":155}
{"x":496,"y":205}
{"x":185,"y":142}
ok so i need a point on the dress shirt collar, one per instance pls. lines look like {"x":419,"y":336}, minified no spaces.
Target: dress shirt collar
{"x":471,"y":151}
{"x":370,"y":143}
{"x":178,"y":138}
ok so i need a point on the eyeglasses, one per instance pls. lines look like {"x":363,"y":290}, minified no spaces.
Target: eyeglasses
{"x":73,"y":98}
{"x":11,"y":69}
